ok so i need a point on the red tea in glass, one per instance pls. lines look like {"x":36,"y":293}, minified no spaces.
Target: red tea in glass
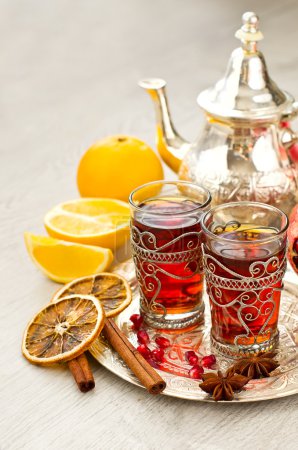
{"x":244,"y":260}
{"x":166,"y":245}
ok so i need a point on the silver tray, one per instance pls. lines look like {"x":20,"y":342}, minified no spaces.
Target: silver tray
{"x":282,"y":382}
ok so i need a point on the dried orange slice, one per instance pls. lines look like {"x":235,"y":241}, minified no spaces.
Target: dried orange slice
{"x":63,"y":330}
{"x":110,"y":289}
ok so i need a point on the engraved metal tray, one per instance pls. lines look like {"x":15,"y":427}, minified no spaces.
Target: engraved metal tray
{"x":282,"y":382}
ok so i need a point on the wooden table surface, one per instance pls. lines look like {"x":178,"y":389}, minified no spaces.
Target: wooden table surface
{"x":68,"y":76}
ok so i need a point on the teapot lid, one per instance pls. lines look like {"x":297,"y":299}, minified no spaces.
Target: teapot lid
{"x":246,"y":92}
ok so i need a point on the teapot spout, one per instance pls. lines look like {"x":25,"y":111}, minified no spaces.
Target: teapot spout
{"x":170,"y":145}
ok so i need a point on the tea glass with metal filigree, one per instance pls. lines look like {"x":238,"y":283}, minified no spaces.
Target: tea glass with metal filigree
{"x":244,"y":251}
{"x":166,"y":246}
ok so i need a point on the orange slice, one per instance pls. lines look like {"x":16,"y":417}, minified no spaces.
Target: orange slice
{"x":63,"y":330}
{"x":64,"y":261}
{"x":91,"y":221}
{"x":110,"y":289}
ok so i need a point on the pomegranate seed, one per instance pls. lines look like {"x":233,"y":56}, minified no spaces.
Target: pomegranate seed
{"x":191,"y":358}
{"x":196,"y":372}
{"x":162,"y":342}
{"x":137,"y":321}
{"x":158,"y":354}
{"x":208,"y":361}
{"x":144,"y":350}
{"x":143,"y":337}
{"x":188,"y":354}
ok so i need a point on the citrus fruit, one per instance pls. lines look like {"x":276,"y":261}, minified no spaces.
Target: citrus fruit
{"x":63,"y":330}
{"x":110,"y":289}
{"x":116,"y":165}
{"x":62,"y":261}
{"x":91,"y":221}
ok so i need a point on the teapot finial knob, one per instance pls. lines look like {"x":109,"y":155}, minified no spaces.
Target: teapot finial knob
{"x":249,"y":34}
{"x":250,"y":21}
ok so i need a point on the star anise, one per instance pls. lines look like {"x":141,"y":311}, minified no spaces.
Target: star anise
{"x":255,"y":366}
{"x":222,"y":387}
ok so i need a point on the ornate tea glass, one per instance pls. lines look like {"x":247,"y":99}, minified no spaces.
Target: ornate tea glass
{"x":166,"y":246}
{"x":244,"y":248}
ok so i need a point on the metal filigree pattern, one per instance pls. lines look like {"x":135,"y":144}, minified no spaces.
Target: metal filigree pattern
{"x":277,"y":188}
{"x":282,"y":382}
{"x":252,"y":297}
{"x":153,"y":261}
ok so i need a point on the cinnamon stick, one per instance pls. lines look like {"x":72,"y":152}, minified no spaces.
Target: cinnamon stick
{"x":82,"y":373}
{"x":149,"y":378}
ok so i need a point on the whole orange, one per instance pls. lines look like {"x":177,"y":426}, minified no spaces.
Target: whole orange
{"x":116,"y":165}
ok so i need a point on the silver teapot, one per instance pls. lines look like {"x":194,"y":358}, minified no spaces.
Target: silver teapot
{"x":243,"y":150}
